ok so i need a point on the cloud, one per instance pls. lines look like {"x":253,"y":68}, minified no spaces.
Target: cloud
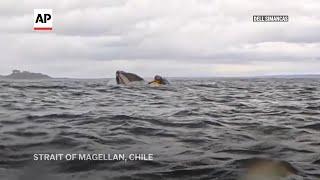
{"x":199,"y":33}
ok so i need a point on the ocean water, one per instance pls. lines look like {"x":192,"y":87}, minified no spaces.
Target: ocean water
{"x":195,"y":128}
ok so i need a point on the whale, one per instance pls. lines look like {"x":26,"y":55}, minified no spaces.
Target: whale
{"x":158,"y":80}
{"x":126,"y":78}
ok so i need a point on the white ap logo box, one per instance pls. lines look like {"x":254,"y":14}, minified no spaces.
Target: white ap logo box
{"x":42,"y":19}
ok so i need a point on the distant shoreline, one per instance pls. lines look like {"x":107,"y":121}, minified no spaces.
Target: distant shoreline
{"x":178,"y":78}
{"x":26,"y":75}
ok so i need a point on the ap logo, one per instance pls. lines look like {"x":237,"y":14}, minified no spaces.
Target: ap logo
{"x":42,"y":19}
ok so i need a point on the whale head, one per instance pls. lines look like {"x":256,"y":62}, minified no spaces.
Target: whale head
{"x":123,"y":77}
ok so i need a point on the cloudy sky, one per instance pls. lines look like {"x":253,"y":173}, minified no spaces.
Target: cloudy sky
{"x":93,"y":39}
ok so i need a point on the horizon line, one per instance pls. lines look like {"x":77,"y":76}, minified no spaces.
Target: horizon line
{"x":216,"y":76}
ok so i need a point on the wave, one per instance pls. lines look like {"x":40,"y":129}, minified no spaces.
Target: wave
{"x":315,"y":126}
{"x":56,"y":116}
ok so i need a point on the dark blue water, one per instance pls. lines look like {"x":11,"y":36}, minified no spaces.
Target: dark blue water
{"x":196,"y":128}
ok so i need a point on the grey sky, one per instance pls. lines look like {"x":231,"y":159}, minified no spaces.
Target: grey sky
{"x":170,"y":37}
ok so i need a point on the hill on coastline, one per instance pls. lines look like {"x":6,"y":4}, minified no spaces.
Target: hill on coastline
{"x":17,"y":74}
